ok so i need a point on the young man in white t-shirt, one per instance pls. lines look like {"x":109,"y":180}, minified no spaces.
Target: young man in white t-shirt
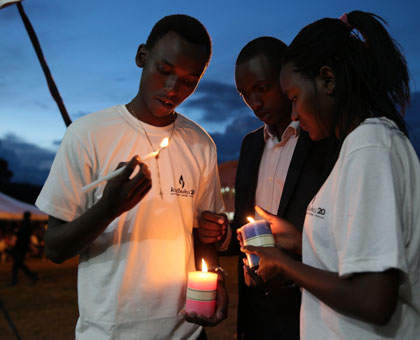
{"x":135,"y":235}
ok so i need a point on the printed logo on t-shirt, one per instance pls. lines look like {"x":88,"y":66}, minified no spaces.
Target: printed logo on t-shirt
{"x":315,"y":211}
{"x":181,"y":191}
{"x":181,"y":181}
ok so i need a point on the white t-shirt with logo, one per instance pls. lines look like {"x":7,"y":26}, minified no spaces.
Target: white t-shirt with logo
{"x":366,"y":218}
{"x":132,"y":279}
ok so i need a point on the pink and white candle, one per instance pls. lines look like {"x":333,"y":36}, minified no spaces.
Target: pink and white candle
{"x":201,"y":292}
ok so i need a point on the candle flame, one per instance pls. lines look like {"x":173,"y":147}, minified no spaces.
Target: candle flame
{"x":164,"y":143}
{"x":250,"y":219}
{"x":203,"y":266}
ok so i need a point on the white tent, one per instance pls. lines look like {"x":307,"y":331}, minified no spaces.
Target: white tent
{"x":4,"y":3}
{"x":13,"y":209}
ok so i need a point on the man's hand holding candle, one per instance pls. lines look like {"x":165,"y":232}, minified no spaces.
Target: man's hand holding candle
{"x":250,"y":276}
{"x":212,"y":227}
{"x":221,"y":309}
{"x":122,"y":193}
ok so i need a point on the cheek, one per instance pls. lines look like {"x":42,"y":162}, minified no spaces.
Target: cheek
{"x":148,"y":82}
{"x":185,"y":91}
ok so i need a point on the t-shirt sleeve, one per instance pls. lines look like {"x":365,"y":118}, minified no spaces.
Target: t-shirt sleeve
{"x":61,"y":195}
{"x":209,"y":196}
{"x":367,"y":222}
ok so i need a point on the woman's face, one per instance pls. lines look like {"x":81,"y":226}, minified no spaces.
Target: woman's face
{"x":309,"y":98}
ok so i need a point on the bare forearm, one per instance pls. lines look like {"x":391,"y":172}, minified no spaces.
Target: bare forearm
{"x":64,"y":240}
{"x":370,"y":297}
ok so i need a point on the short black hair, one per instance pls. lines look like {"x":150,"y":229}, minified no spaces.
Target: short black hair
{"x":186,"y":26}
{"x":270,"y":47}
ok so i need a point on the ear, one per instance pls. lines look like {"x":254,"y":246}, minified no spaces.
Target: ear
{"x":327,"y":79}
{"x":141,"y":56}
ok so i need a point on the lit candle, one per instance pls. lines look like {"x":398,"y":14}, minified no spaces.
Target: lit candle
{"x":201,"y":292}
{"x":115,"y":173}
{"x":256,"y":233}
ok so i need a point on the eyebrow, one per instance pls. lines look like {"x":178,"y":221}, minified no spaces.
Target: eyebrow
{"x":165,"y":61}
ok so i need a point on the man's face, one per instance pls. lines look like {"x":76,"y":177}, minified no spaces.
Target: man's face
{"x":258,"y":84}
{"x":171,"y":72}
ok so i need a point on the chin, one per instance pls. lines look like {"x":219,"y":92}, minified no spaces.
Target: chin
{"x":314,"y":136}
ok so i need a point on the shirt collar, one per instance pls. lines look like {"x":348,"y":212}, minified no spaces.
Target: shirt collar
{"x":270,"y":133}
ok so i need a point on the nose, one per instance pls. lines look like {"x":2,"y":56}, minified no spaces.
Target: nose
{"x":171,"y":83}
{"x":295,"y":115}
{"x":255,"y":102}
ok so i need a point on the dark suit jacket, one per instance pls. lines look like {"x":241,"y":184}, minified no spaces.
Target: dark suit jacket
{"x":270,"y":312}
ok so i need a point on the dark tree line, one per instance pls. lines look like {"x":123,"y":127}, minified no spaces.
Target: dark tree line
{"x":25,"y":192}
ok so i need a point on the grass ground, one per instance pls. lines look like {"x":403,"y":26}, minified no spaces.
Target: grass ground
{"x":48,"y":310}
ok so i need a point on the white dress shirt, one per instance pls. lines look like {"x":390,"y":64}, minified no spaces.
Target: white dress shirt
{"x":274,"y":166}
{"x":272,"y":173}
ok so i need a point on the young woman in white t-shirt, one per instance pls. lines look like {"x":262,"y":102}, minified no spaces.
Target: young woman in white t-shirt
{"x":360,"y":272}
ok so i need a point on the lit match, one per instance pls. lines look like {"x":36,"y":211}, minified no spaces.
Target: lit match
{"x":115,"y":173}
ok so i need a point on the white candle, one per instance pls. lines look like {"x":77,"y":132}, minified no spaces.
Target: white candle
{"x":115,"y":173}
{"x":150,"y":155}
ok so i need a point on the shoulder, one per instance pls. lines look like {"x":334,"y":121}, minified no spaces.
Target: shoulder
{"x":192,"y":132}
{"x":98,"y":118}
{"x":98,"y":124}
{"x":253,"y":136}
{"x":373,"y":133}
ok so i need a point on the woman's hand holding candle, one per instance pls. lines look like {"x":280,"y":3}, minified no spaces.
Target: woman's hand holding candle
{"x":286,"y":235}
{"x":270,"y":261}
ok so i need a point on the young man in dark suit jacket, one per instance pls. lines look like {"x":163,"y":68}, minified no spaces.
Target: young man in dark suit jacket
{"x":279,"y":169}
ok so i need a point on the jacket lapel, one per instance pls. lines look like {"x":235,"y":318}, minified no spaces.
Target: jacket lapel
{"x":254,"y":166}
{"x":302,"y":148}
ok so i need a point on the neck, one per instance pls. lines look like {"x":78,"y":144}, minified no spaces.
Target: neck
{"x":279,"y":127}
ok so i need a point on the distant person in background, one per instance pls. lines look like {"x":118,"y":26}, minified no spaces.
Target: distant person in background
{"x":3,"y":247}
{"x":280,"y":169}
{"x":20,"y":250}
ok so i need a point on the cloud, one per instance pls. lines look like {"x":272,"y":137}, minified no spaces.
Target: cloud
{"x":229,"y":143}
{"x":218,"y":102}
{"x":412,"y":119}
{"x":28,"y":162}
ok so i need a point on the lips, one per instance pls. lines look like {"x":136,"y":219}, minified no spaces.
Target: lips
{"x":262,"y":115}
{"x":166,"y":102}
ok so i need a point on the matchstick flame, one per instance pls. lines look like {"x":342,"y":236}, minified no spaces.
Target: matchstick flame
{"x":250,"y":219}
{"x":164,"y":142}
